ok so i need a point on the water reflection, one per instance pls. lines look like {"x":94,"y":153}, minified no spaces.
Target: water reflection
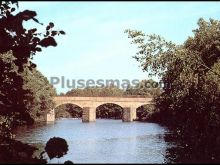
{"x":105,"y":141}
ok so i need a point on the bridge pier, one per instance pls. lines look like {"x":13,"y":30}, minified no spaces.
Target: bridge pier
{"x":89,"y":114}
{"x":133,"y":113}
{"x":129,"y":114}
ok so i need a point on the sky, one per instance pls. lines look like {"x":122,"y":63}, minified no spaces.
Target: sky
{"x":95,"y":45}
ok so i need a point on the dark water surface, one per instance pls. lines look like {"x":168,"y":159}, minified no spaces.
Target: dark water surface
{"x":105,"y":141}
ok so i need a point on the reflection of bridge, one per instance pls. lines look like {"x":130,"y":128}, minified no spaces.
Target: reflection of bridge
{"x":89,"y":105}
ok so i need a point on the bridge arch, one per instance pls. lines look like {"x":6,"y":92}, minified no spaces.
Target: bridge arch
{"x":114,"y":103}
{"x":144,"y":110}
{"x":68,"y":110}
{"x":64,"y":103}
{"x":109,"y":110}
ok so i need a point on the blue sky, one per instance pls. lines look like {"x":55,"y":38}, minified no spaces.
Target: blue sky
{"x":95,"y":45}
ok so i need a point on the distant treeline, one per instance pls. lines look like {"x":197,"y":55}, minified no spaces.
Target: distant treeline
{"x":141,"y":90}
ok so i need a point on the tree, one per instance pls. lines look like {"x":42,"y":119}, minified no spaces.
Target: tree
{"x":56,"y":147}
{"x":12,"y":95}
{"x":96,"y":92}
{"x":17,"y":47}
{"x":145,"y":88}
{"x":191,"y":106}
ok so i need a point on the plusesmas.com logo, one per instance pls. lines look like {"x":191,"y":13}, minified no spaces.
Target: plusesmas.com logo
{"x":63,"y":82}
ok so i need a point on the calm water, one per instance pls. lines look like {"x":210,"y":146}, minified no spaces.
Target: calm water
{"x":105,"y":141}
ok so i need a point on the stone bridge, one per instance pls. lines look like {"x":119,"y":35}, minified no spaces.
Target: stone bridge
{"x":89,"y":105}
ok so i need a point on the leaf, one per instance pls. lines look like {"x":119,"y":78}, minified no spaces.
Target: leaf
{"x":36,"y":39}
{"x":48,"y":27}
{"x":32,"y":30}
{"x":38,"y":49}
{"x":49,"y":41}
{"x":62,"y":32}
{"x":37,"y":21}
{"x":33,"y":65}
{"x":51,"y":24}
{"x":27,"y":15}
{"x":53,"y":33}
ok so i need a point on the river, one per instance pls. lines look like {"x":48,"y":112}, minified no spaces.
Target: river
{"x":105,"y":141}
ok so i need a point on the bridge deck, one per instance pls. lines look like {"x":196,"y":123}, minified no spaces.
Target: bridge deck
{"x":108,"y":99}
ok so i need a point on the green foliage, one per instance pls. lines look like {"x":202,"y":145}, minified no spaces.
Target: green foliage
{"x":23,"y":96}
{"x":145,"y":112}
{"x":42,"y":91}
{"x":68,"y":111}
{"x":13,"y":96}
{"x":109,"y":111}
{"x":145,"y":89}
{"x":96,"y":91}
{"x":154,"y":52}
